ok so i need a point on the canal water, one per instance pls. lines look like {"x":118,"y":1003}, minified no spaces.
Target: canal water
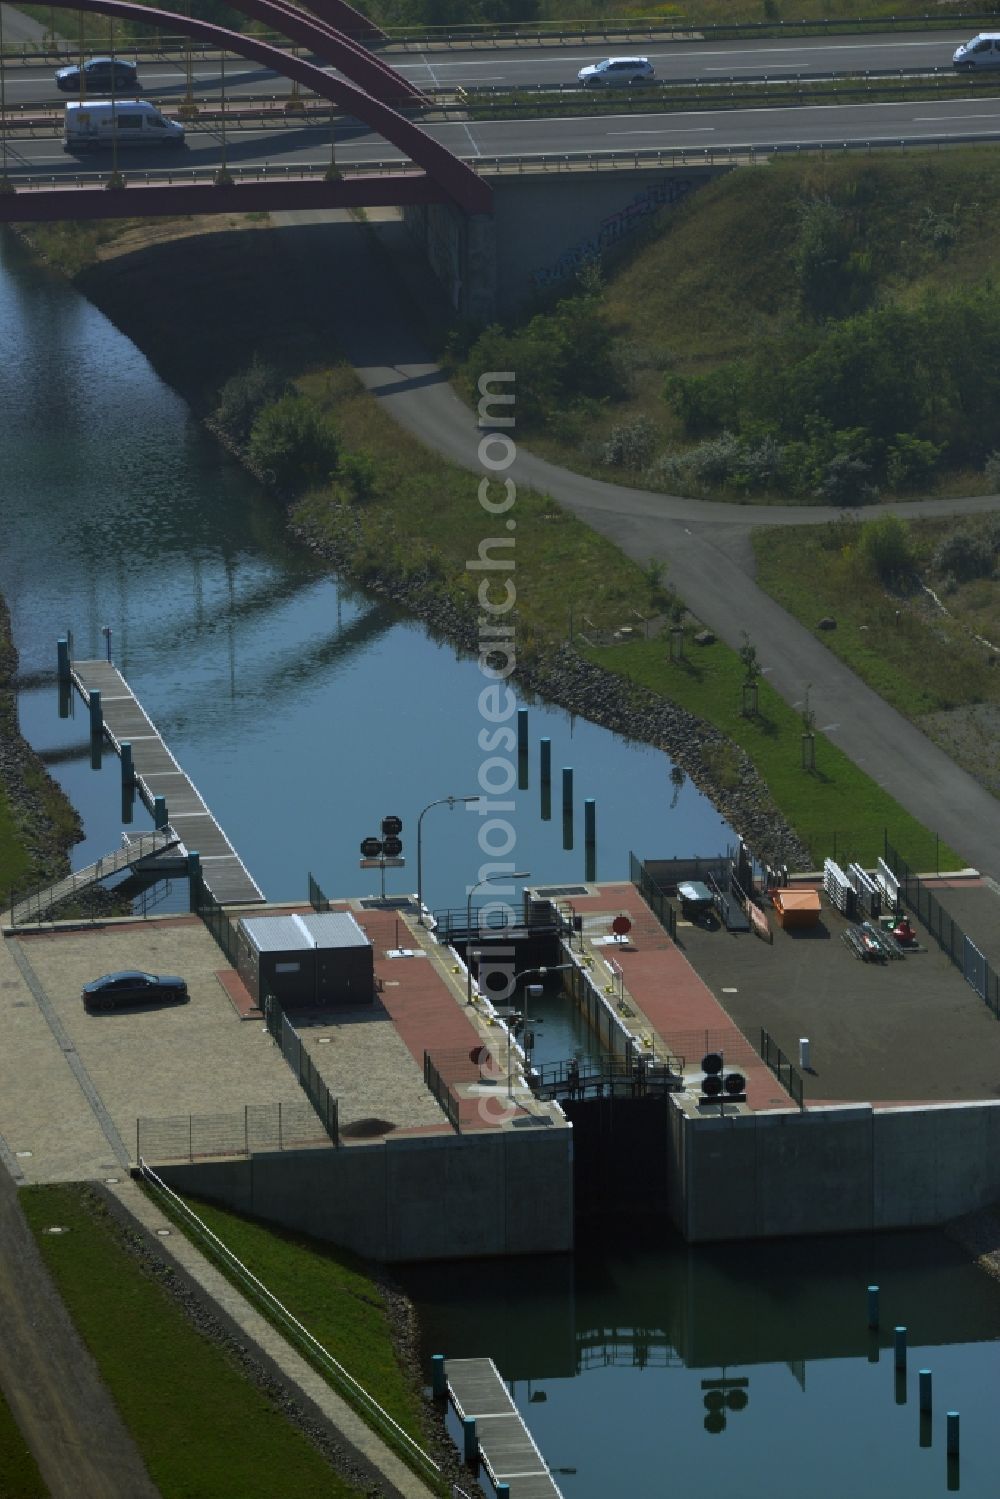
{"x":303,"y":710}
{"x":306,"y":711}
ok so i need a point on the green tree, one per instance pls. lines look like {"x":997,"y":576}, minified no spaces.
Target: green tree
{"x":884,"y":546}
{"x":295,"y":444}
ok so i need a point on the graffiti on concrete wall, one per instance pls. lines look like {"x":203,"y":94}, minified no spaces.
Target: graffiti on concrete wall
{"x":614,"y":228}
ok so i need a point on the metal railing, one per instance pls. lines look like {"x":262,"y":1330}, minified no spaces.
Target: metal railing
{"x":975,"y":968}
{"x":634,"y":1076}
{"x":655,"y":28}
{"x":255,"y":1128}
{"x":215,"y":917}
{"x":788,"y":1075}
{"x":650,"y":157}
{"x":276,"y":1312}
{"x":34,"y":905}
{"x":660,"y":906}
{"x":446,"y":1096}
{"x":306,"y":1072}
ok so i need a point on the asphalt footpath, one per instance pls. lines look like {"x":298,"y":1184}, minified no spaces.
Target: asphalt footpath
{"x":379,"y":293}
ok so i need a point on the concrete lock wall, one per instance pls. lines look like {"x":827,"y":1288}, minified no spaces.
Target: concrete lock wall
{"x":441,"y":1197}
{"x":545,"y":228}
{"x":833,"y":1170}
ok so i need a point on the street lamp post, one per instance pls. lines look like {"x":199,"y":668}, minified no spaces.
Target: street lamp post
{"x":526,"y":973}
{"x":451,"y":800}
{"x":518,"y":874}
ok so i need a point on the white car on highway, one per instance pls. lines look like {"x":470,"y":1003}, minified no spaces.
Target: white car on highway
{"x":982,"y":52}
{"x":612,"y":71}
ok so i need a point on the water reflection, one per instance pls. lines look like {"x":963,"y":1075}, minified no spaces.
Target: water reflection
{"x":752,"y":1362}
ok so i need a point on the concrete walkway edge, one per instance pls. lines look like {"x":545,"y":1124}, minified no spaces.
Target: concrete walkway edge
{"x":134,"y":1210}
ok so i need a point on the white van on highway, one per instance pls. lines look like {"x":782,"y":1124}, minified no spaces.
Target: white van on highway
{"x":129,"y":122}
{"x":982,"y":52}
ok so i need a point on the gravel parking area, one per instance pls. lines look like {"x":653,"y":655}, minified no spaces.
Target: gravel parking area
{"x":154,"y":1062}
{"x":369,"y":1069}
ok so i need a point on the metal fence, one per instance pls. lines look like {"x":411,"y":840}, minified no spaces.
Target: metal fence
{"x":658,"y":904}
{"x":251,"y":1130}
{"x":949,"y":936}
{"x":446,"y":1096}
{"x":303,"y":1066}
{"x":788,"y":1075}
{"x":215,"y":917}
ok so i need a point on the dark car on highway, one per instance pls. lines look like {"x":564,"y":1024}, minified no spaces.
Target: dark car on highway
{"x":132,"y":987}
{"x":101,"y":75}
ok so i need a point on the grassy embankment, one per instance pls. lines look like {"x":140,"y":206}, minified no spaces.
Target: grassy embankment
{"x":421,"y":518}
{"x":37,"y":824}
{"x":932,"y":661}
{"x":770,"y":304}
{"x":202,"y":1427}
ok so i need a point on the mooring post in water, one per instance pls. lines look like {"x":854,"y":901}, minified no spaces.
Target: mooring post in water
{"x":900,"y":1347}
{"x":470,"y":1441}
{"x":522,"y":749}
{"x":96,"y":715}
{"x":503,"y":1491}
{"x":952,"y":1429}
{"x":439,"y":1381}
{"x":62,"y":659}
{"x":873,"y":1308}
{"x":925,"y":1391}
{"x":545,"y":776}
{"x":567,"y":804}
{"x":159,"y":812}
{"x":590,"y":839}
{"x":128,"y":769}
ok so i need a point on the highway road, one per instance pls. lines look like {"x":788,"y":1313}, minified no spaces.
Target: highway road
{"x":554,"y":66}
{"x":298,"y":145}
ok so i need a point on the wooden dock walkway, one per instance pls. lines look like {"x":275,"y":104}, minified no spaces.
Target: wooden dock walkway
{"x":505,"y":1443}
{"x":157,"y":773}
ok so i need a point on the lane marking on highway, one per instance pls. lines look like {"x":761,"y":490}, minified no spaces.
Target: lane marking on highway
{"x":936,"y":119}
{"x":667,"y":130}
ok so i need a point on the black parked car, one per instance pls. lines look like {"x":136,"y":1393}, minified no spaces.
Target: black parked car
{"x":132,"y":987}
{"x":101,"y":75}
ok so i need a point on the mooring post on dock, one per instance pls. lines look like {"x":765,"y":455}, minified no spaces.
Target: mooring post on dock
{"x":439,"y":1379}
{"x":545,"y":776}
{"x":194,"y":879}
{"x":590,"y":839}
{"x":470,"y":1441}
{"x":522,"y":749}
{"x":62,"y":660}
{"x":567,"y":806}
{"x":159,"y":812}
{"x":96,"y":729}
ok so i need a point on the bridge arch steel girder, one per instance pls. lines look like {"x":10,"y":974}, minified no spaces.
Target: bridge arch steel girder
{"x":362,"y":67}
{"x":458,"y":179}
{"x":346,"y":19}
